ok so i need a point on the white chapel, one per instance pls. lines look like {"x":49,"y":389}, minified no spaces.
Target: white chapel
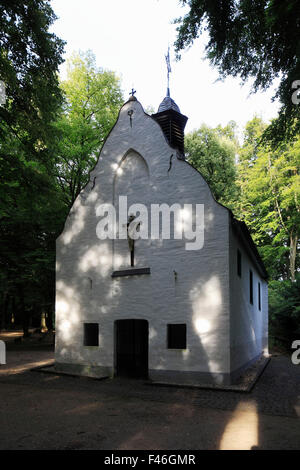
{"x":168,"y":309}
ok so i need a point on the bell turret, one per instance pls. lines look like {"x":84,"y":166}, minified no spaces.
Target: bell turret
{"x":172,"y":122}
{"x":170,"y":119}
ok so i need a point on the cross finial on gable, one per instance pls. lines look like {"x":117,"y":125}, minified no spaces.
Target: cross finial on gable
{"x":133,"y":91}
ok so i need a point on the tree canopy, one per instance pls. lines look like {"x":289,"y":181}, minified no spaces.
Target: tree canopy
{"x":92,"y":99}
{"x":30,"y":207}
{"x":212,"y":152}
{"x":251,"y":39}
{"x":284,"y":311}
{"x":270,"y":199}
{"x":29,"y":59}
{"x":40,"y":181}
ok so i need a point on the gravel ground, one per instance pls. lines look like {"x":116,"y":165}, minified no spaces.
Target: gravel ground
{"x":46,"y":411}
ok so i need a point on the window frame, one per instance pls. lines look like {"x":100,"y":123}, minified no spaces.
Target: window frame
{"x":86,"y":334}
{"x":239,"y":263}
{"x":170,"y":344}
{"x":251,"y":286}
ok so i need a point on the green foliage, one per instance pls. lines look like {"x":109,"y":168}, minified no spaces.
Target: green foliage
{"x":284,"y":311}
{"x":92,"y":101}
{"x":31,"y":211}
{"x":31,"y":215}
{"x":251,"y":39}
{"x":29,"y":60}
{"x":44,"y":169}
{"x":270,"y":199}
{"x":212,"y":152}
{"x":149,"y":110}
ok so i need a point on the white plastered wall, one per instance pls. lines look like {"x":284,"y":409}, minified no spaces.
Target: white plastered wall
{"x":248,"y":324}
{"x":138,"y":160}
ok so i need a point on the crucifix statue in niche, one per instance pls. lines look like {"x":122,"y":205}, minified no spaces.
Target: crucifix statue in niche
{"x":131,"y":241}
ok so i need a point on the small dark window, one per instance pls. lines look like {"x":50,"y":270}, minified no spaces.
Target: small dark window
{"x":259,"y":297}
{"x":91,"y":334}
{"x":177,"y":336}
{"x":239,"y":263}
{"x":251,"y":286}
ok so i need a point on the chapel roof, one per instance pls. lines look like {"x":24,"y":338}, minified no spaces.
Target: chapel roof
{"x":168,"y":103}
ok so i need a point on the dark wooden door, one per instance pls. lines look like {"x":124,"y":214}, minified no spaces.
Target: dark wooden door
{"x":132,"y":348}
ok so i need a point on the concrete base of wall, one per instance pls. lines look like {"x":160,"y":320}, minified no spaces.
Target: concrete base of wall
{"x":234,"y":375}
{"x":165,"y":376}
{"x":189,"y":377}
{"x":168,"y":376}
{"x":85,"y":370}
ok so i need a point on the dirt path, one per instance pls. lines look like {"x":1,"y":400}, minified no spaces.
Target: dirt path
{"x":43,"y":411}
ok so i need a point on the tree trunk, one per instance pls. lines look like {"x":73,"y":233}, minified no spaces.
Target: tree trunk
{"x":3,"y":313}
{"x":43,"y":322}
{"x":293,"y":254}
{"x":13,"y":314}
{"x":24,"y":314}
{"x":49,"y":319}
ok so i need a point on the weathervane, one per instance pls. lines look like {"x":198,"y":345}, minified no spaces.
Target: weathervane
{"x":167,"y":57}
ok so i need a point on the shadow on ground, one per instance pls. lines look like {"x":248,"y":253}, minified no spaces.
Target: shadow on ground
{"x":43,"y":411}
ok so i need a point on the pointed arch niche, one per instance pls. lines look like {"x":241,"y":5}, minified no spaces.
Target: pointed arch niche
{"x":132,"y":180}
